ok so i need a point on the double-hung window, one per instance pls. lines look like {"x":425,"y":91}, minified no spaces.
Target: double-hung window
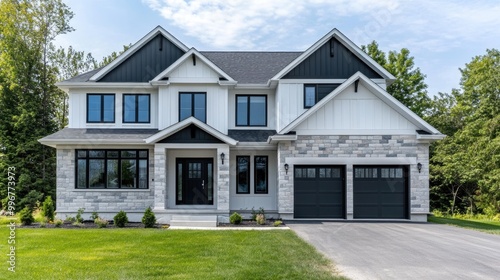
{"x":111,"y":169}
{"x":193,"y":104}
{"x":313,"y":93}
{"x":100,"y":108}
{"x":136,"y":108}
{"x":251,"y":110}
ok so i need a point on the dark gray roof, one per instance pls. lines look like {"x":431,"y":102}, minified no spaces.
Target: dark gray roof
{"x":250,"y":135}
{"x":101,"y":134}
{"x":83,"y":77}
{"x":251,"y":67}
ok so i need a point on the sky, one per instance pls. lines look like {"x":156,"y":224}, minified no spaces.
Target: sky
{"x":441,"y":35}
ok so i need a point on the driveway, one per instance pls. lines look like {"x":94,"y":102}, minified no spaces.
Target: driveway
{"x":404,"y":250}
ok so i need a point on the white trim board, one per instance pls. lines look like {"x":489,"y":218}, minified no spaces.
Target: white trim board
{"x":351,"y":161}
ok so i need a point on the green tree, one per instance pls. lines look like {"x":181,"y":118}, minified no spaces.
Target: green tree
{"x":108,"y":59}
{"x":410,"y":87}
{"x":28,"y":95}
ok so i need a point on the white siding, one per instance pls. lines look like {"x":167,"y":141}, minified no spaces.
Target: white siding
{"x":78,"y":108}
{"x":271,"y":105}
{"x":188,"y":72}
{"x":355,"y":113}
{"x":238,"y":202}
{"x":290,"y":103}
{"x":217,"y":105}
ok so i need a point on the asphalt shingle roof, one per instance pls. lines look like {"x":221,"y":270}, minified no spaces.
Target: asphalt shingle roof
{"x":101,"y":134}
{"x":251,"y":135}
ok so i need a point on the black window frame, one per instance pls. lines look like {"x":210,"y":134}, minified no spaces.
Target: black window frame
{"x":316,"y":95}
{"x":247,"y":174}
{"x":255,"y":175}
{"x":192,"y":93}
{"x":248,"y":96}
{"x":102,"y":107}
{"x":119,"y":158}
{"x":136,"y":107}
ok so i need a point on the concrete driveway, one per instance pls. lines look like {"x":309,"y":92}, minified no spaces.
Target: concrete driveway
{"x":404,"y":250}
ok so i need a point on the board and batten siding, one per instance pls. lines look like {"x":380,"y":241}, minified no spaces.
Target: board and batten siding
{"x":271,"y":105}
{"x":168,"y":104}
{"x":355,"y":113}
{"x":289,"y":103}
{"x":78,"y":108}
{"x":191,"y":72}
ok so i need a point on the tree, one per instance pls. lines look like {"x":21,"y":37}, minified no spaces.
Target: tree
{"x":409,"y":87}
{"x":108,"y":59}
{"x":28,"y":95}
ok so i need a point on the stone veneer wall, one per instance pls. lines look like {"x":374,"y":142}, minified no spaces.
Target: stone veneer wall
{"x":106,"y":202}
{"x":354,"y":150}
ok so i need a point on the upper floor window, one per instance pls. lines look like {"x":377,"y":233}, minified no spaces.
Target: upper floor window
{"x":136,"y":108}
{"x":193,"y":104}
{"x":251,"y":110}
{"x":100,"y":108}
{"x":313,"y":93}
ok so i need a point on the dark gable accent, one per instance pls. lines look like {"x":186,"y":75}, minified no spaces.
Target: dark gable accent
{"x":191,"y":134}
{"x":146,"y":63}
{"x":322,"y":65}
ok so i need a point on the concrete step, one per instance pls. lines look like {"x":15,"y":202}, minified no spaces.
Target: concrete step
{"x":193,"y":221}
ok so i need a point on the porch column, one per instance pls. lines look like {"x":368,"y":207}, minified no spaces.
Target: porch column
{"x":223,"y":179}
{"x":160,"y":180}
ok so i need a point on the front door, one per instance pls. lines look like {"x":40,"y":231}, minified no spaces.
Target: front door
{"x":194,"y":181}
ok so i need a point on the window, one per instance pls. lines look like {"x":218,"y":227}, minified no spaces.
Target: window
{"x":192,"y":104}
{"x":100,"y":108}
{"x":251,"y":110}
{"x":260,"y":174}
{"x":366,"y":172}
{"x":243,"y":174}
{"x":313,"y":93}
{"x":111,"y":169}
{"x":136,"y":108}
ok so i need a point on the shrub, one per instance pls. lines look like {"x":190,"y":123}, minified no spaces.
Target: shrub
{"x":70,"y":219}
{"x":277,"y":223}
{"x":78,"y":224}
{"x":79,"y":215}
{"x":120,"y":219}
{"x":235,"y":218}
{"x":94,"y":216}
{"x":149,"y":219}
{"x":26,"y":216}
{"x":58,"y":222}
{"x":101,"y":223}
{"x":48,"y":209}
{"x":260,"y":219}
{"x":255,"y":213}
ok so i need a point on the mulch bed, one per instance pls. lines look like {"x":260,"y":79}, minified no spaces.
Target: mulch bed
{"x":252,"y":223}
{"x":86,"y":224}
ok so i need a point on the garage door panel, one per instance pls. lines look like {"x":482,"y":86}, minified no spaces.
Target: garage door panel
{"x":319,"y":192}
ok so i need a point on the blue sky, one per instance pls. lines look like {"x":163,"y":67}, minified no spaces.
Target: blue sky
{"x":441,"y":35}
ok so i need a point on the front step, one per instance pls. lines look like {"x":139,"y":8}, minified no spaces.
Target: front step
{"x":193,"y":221}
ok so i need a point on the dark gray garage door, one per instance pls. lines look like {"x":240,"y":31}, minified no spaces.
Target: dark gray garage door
{"x":381,"y":192}
{"x":319,"y":192}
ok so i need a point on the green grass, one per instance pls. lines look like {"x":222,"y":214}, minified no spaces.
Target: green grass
{"x":492,"y":227}
{"x":163,"y":254}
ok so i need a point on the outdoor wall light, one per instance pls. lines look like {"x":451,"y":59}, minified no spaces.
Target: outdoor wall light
{"x":286,"y":168}
{"x":419,"y":167}
{"x":222,"y":156}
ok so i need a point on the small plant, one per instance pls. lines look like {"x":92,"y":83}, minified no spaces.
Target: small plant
{"x":260,"y":219}
{"x":120,"y":219}
{"x":255,"y":213}
{"x":43,"y":223}
{"x":79,"y":215}
{"x":277,"y":223}
{"x":94,"y":216}
{"x":165,"y":226}
{"x":70,"y":219}
{"x":101,"y":223}
{"x":26,"y":216}
{"x":58,"y":222}
{"x":77,"y":224}
{"x":48,"y":209}
{"x":235,"y":218}
{"x":149,"y":218}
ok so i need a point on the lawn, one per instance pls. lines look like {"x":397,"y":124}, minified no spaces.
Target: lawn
{"x":163,"y":254}
{"x":481,"y":225}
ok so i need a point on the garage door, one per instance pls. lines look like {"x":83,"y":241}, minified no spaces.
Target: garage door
{"x":381,"y":192}
{"x":319,"y":192}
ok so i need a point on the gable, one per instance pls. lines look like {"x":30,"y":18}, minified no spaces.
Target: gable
{"x":190,"y":134}
{"x":193,"y":68}
{"x":356,"y":111}
{"x":146,"y":63}
{"x":322,"y":65}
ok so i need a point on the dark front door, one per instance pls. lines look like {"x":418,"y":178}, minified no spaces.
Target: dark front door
{"x":194,"y":181}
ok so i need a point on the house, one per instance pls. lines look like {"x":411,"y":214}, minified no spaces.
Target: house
{"x":199,"y":135}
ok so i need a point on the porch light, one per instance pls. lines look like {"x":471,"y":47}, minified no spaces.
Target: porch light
{"x":222,"y":156}
{"x":419,"y":167}
{"x":286,"y":168}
